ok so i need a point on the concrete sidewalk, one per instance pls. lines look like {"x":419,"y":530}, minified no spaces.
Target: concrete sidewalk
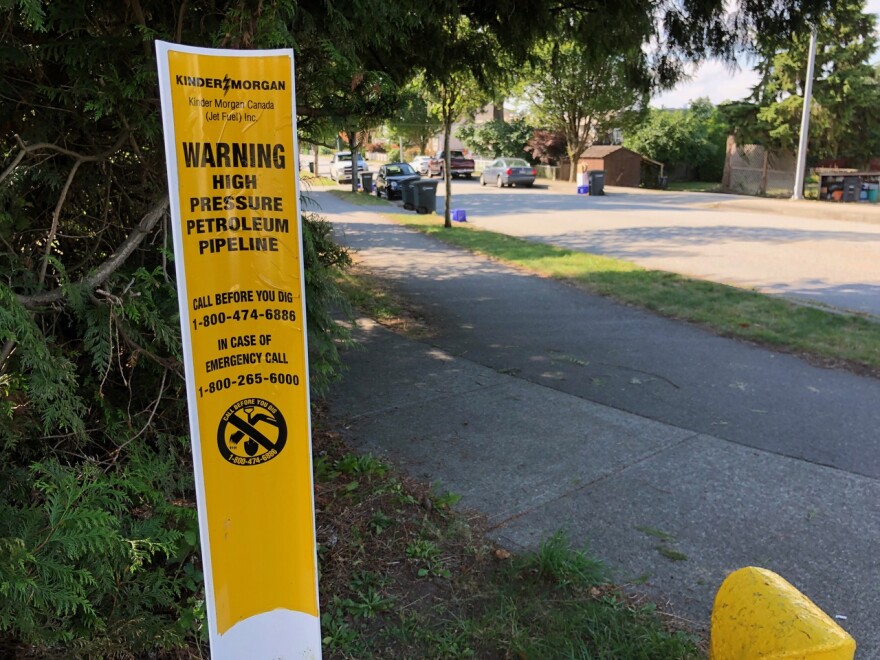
{"x":672,"y":502}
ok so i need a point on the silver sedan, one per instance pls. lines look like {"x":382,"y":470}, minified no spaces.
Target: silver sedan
{"x":509,"y":172}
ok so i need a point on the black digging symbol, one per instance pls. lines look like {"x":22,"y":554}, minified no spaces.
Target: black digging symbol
{"x":248,"y":428}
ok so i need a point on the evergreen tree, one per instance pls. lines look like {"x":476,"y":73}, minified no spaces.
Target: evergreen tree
{"x":845,"y":112}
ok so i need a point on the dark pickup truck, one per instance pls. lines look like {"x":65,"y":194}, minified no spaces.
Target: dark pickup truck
{"x":458,"y":165}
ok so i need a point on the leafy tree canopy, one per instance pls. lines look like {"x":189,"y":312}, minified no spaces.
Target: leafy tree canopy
{"x":548,"y":147}
{"x":497,"y":138}
{"x":582,"y":93}
{"x":693,"y":139}
{"x":413,"y":120}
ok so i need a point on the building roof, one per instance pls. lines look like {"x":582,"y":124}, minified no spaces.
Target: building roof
{"x":602,"y":150}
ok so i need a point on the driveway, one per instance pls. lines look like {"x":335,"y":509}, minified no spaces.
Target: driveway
{"x":784,"y":249}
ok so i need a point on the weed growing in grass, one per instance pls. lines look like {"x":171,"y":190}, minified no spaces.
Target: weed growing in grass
{"x":366,"y":465}
{"x":427,"y":555}
{"x":445,"y":500}
{"x":379,"y":522}
{"x":366,"y":603}
{"x":671,"y":554}
{"x":453,"y":640}
{"x":558,"y":562}
{"x":556,"y":603}
{"x":337,"y":635}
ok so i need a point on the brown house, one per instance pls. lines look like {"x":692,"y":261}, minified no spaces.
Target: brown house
{"x":622,"y":166}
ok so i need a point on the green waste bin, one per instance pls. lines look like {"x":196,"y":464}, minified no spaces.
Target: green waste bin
{"x":425,"y":196}
{"x":408,"y":194}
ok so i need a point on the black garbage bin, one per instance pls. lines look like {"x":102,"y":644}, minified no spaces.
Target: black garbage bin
{"x":852,"y":188}
{"x":311,"y":167}
{"x":408,"y":194}
{"x":425,"y":195}
{"x":663,"y":182}
{"x":366,"y":179}
{"x":597,"y":182}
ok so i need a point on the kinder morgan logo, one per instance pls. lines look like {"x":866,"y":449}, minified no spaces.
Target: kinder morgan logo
{"x":226,"y":83}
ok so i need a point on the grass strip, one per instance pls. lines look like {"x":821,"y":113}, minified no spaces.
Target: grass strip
{"x":312,"y":180}
{"x":360,"y":198}
{"x":730,"y":311}
{"x":694,"y":186}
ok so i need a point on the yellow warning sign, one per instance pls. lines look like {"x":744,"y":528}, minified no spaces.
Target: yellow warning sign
{"x":230,"y":138}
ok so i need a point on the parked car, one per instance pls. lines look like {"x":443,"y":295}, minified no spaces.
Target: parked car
{"x":509,"y":172}
{"x":391,"y":176}
{"x":340,"y":166}
{"x":459,"y":164}
{"x":420,"y":164}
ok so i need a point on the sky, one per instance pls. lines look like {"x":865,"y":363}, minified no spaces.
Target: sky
{"x":714,"y":80}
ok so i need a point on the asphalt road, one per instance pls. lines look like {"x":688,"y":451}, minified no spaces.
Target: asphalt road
{"x":798,"y":255}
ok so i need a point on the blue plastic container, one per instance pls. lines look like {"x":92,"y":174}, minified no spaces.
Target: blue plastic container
{"x":458,"y":215}
{"x":583,"y":190}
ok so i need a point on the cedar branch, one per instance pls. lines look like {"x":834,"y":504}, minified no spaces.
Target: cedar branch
{"x":113,"y":262}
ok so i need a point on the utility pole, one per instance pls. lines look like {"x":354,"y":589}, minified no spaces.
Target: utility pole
{"x":800,"y":173}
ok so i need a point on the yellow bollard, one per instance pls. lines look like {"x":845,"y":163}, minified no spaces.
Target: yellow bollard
{"x":757,"y":614}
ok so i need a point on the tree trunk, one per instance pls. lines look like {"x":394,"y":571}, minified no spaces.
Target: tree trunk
{"x":498,"y":108}
{"x":447,"y":176}
{"x":573,"y":159}
{"x":765,"y":166}
{"x":315,"y":158}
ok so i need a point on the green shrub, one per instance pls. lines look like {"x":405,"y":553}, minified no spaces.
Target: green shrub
{"x":97,"y":560}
